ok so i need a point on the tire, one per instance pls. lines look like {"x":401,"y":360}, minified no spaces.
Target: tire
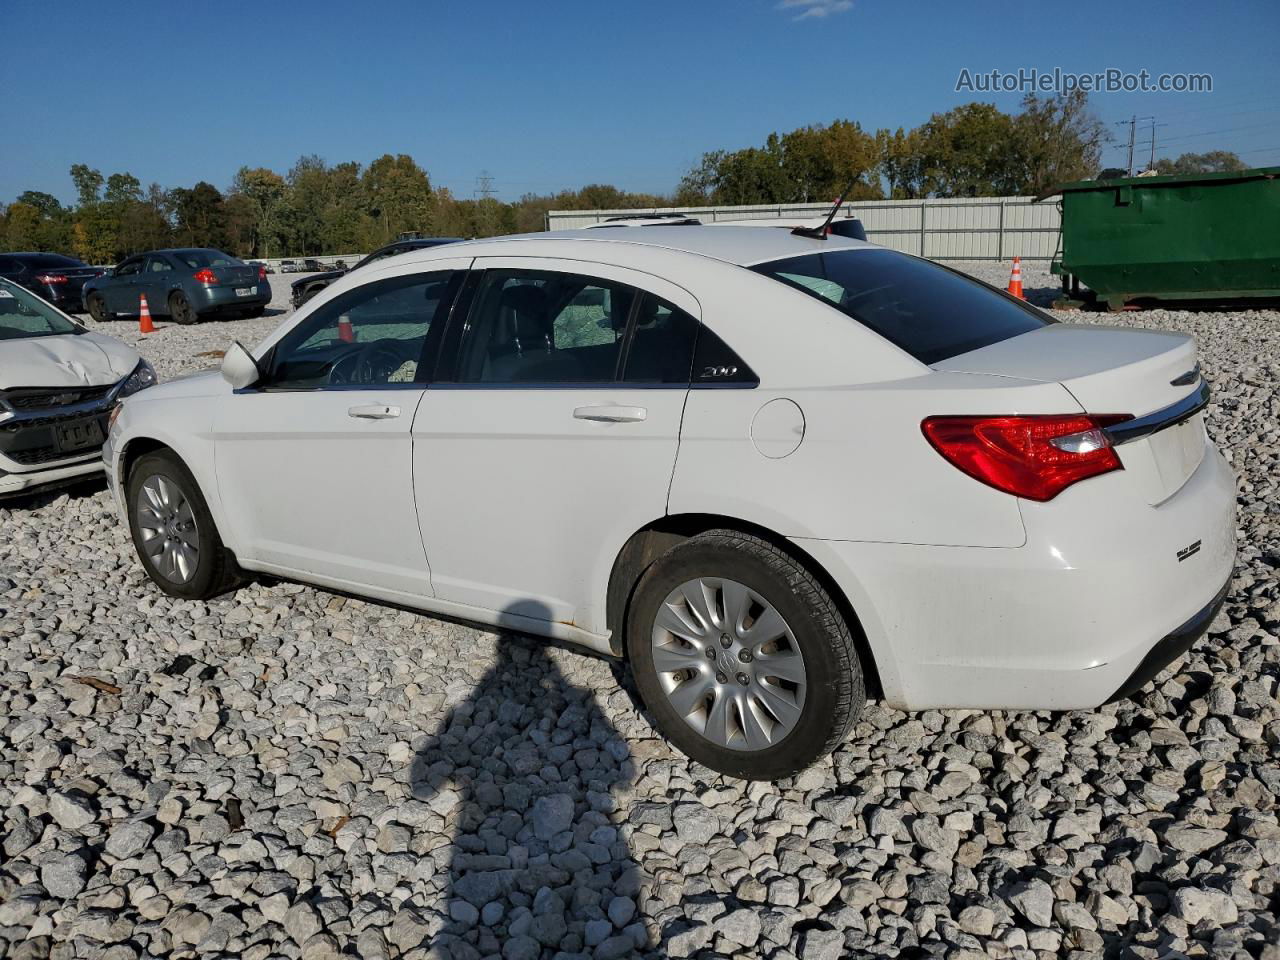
{"x":97,"y":307}
{"x":161,"y":485}
{"x":180,"y":309}
{"x":820,"y":709}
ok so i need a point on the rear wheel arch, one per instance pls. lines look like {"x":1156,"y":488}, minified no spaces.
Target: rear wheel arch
{"x":653,"y":540}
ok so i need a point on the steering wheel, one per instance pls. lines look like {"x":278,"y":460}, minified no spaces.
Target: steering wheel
{"x":372,"y":363}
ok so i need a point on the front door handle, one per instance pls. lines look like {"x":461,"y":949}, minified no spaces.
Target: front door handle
{"x":611,"y":414}
{"x":373,"y":411}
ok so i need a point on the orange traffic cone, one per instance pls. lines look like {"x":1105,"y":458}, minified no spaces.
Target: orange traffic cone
{"x":144,"y":317}
{"x":1015,"y":279}
{"x":345,"y":333}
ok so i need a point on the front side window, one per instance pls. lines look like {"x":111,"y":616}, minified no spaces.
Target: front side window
{"x":129,"y":268}
{"x":927,"y":310}
{"x":545,"y":327}
{"x":24,"y":315}
{"x":373,"y":335}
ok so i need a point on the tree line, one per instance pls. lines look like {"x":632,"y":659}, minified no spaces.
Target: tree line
{"x":974,"y":150}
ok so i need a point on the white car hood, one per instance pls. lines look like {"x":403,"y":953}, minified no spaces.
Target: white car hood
{"x":70,"y":360}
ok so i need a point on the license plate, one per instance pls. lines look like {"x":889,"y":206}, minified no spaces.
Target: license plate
{"x":77,"y":436}
{"x":245,"y":291}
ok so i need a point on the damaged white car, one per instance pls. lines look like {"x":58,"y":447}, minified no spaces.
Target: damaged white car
{"x":58,"y":383}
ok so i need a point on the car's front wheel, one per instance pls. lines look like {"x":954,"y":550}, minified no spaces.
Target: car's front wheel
{"x":742,"y":657}
{"x":173,"y":530}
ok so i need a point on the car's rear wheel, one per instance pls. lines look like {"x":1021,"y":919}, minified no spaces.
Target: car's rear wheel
{"x":173,"y":530}
{"x":180,"y":309}
{"x":98,"y":308}
{"x":742,"y":657}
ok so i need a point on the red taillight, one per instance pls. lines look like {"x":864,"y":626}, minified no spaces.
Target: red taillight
{"x":262,"y":273}
{"x":206,"y":276}
{"x":51,"y":278}
{"x":1036,"y":457}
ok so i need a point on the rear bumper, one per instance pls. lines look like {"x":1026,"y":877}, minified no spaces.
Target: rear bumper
{"x":68,"y":297}
{"x":222,"y":298}
{"x":1101,"y":596}
{"x":1174,"y":645}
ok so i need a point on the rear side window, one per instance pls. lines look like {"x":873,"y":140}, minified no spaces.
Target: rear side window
{"x":543,"y":327}
{"x":927,"y":310}
{"x":661,"y":348}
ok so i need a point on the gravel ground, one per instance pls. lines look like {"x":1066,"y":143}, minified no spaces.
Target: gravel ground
{"x":284,"y":772}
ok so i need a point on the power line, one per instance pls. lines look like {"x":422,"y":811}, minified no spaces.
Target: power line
{"x":1217,"y":109}
{"x":1211,"y":133}
{"x":1206,"y":133}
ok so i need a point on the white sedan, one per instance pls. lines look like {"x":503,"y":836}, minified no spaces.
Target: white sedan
{"x":777,"y":473}
{"x":58,"y":382}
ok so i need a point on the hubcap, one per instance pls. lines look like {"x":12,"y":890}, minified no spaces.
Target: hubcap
{"x":729,"y":664}
{"x":169,"y":535}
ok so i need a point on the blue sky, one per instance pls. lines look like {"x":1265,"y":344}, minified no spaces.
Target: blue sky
{"x":546,"y":95}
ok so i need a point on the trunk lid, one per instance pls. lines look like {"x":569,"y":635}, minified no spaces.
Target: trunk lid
{"x":1112,"y":370}
{"x":242,"y":276}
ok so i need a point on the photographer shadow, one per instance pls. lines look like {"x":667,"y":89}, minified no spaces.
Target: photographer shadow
{"x":524,"y":771}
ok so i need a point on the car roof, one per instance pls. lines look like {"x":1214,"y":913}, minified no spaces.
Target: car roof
{"x":745,"y":247}
{"x":38,"y":253}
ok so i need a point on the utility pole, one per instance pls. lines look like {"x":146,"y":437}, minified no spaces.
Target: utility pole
{"x":484,"y":186}
{"x":1152,"y":164}
{"x":1133,"y":129}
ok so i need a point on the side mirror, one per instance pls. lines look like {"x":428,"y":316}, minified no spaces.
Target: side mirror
{"x":239,"y":368}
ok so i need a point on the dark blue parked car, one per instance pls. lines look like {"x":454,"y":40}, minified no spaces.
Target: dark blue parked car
{"x":184,"y":285}
{"x":52,"y":276}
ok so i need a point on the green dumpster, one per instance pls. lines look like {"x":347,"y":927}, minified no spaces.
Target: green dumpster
{"x":1210,"y":236}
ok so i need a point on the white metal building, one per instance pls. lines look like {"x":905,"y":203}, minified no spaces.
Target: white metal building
{"x":979,"y":228}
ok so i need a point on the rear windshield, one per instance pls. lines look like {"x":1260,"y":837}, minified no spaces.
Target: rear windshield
{"x":42,"y":261}
{"x":929,"y":311}
{"x":24,"y":315}
{"x":208,"y":258}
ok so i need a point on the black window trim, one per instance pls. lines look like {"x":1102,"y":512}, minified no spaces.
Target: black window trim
{"x":461,"y":316}
{"x":427,"y":357}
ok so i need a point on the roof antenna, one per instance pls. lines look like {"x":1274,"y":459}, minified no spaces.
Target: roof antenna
{"x":820,"y":233}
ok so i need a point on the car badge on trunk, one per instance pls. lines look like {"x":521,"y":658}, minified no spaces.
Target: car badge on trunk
{"x":1190,"y":550}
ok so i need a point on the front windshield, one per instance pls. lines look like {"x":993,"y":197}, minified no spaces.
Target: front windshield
{"x":24,"y":315}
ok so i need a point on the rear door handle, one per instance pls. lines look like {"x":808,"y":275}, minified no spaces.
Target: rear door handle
{"x":611,"y":414}
{"x":373,"y":411}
